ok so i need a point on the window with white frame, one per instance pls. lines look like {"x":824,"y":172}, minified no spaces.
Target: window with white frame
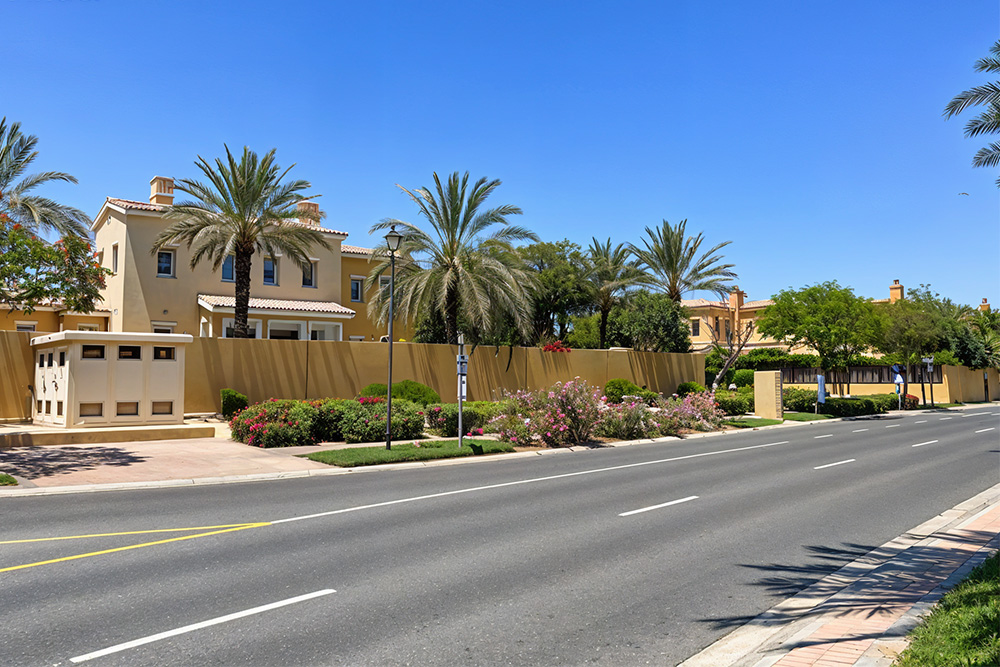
{"x":229,"y":328}
{"x":165,"y":264}
{"x":229,"y":269}
{"x":270,"y":271}
{"x":285,"y":330}
{"x":309,"y":276}
{"x":696,"y":327}
{"x":25,"y":326}
{"x":114,"y":258}
{"x":162,"y":326}
{"x":357,"y":289}
{"x":325,"y":331}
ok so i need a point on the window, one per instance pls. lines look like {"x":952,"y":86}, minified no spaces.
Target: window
{"x":51,"y":355}
{"x":92,"y":352}
{"x":277,"y":330}
{"x":165,"y":264}
{"x":323,"y":331}
{"x":728,"y":330}
{"x":39,"y":405}
{"x":163,"y":353}
{"x":129,"y":352}
{"x":383,"y":283}
{"x":357,"y":289}
{"x":163,"y":329}
{"x":270,"y":272}
{"x":229,"y":328}
{"x":59,"y":409}
{"x":114,"y":259}
{"x":87,"y":327}
{"x":127,"y":409}
{"x":92,"y":409}
{"x":228,"y":272}
{"x":25,"y":326}
{"x":695,"y":327}
{"x":356,"y":339}
{"x":163,"y":407}
{"x":309,"y":277}
{"x":41,"y":361}
{"x":62,"y":358}
{"x":716,"y":327}
{"x":48,"y":407}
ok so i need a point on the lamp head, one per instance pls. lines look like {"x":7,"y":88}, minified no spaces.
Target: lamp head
{"x":393,"y":239}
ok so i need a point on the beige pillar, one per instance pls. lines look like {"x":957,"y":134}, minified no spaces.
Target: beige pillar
{"x":767,"y":395}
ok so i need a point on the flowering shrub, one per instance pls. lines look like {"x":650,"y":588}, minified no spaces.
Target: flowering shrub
{"x":698,"y":412}
{"x":557,"y":346}
{"x":365,"y":421}
{"x":327,"y":425}
{"x":274,"y":423}
{"x":442,"y":418}
{"x":566,"y":413}
{"x":628,"y":420}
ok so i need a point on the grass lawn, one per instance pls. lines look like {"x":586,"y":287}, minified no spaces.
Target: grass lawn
{"x":964,"y":627}
{"x":750,"y":422}
{"x":7,"y":480}
{"x":805,"y":417}
{"x":433,"y":449}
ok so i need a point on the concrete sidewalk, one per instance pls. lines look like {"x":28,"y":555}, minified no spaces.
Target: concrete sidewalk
{"x":861,"y":614}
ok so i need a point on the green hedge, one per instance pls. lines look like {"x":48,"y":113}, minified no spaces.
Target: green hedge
{"x":685,"y":388}
{"x":442,"y":418}
{"x":850,"y":407}
{"x":232,"y":402}
{"x":365,"y":421}
{"x":734,"y":403}
{"x":743,"y":377}
{"x":618,"y":388}
{"x":407,"y":390}
{"x":798,"y":400}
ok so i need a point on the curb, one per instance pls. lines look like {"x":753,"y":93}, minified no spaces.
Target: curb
{"x":762,"y":641}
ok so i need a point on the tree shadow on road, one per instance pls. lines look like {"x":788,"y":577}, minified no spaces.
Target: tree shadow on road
{"x":34,"y":462}
{"x":868,"y":582}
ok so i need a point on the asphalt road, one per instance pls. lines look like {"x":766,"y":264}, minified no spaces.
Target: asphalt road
{"x":524,"y":561}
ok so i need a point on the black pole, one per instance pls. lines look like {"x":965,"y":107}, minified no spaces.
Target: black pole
{"x":388,"y":403}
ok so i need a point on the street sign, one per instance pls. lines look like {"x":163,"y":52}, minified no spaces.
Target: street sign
{"x":463,"y":364}
{"x":462,"y":388}
{"x":820,"y":389}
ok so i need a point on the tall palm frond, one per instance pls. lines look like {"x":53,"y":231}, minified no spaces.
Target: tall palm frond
{"x":677,"y":265}
{"x":988,"y":122}
{"x":612,"y":272}
{"x":458,"y":265}
{"x":243,"y":209}
{"x":17,"y":204}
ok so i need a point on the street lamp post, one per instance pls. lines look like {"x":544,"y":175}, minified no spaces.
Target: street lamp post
{"x":392,"y":240}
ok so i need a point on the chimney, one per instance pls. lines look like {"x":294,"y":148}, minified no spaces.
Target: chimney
{"x":736,"y":298}
{"x":895,"y":291}
{"x":309,"y":207}
{"x":984,"y":306}
{"x":161,"y":191}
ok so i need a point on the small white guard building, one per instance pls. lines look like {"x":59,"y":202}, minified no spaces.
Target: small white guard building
{"x":91,"y":378}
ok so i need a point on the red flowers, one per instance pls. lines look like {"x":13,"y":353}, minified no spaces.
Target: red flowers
{"x":557,"y":346}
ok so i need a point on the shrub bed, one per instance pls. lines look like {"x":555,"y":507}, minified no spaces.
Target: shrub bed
{"x":442,"y":418}
{"x":734,"y":403}
{"x":618,"y":388}
{"x":628,"y":420}
{"x":697,"y":412}
{"x":232,"y":402}
{"x":564,"y":414}
{"x":743,"y":377}
{"x":274,"y":423}
{"x":363,"y":420}
{"x":685,"y":388}
{"x":406,"y":390}
{"x":850,"y":407}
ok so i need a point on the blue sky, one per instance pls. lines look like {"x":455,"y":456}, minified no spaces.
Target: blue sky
{"x":809,"y":134}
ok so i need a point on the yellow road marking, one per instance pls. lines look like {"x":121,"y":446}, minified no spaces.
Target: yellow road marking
{"x":134,"y":546}
{"x":133,"y":532}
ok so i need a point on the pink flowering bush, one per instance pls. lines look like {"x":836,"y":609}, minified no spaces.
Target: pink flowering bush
{"x":564,"y":414}
{"x":274,"y":423}
{"x":629,"y":420}
{"x":697,"y":411}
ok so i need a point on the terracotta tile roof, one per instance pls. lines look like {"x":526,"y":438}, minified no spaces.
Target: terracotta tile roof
{"x":146,"y":206}
{"x":763,"y":303}
{"x":278,"y":304}
{"x":129,"y":203}
{"x":705,"y":303}
{"x":355,"y":250}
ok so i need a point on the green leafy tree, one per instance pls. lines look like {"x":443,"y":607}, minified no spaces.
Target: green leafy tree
{"x":17,"y":204}
{"x":611,"y":274}
{"x":908,"y":329}
{"x":655,"y":323}
{"x":458,"y":266}
{"x":243,"y":209}
{"x":829,"y":318}
{"x":560,"y":289}
{"x":35,"y":272}
{"x":987,"y":122}
{"x":676,"y":264}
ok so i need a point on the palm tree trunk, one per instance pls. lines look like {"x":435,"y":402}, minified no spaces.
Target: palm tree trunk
{"x":604,"y":328}
{"x":242,"y":269}
{"x":451,"y":318}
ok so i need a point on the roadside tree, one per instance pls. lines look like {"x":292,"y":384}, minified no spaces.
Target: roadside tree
{"x":611,"y":274}
{"x":676,"y":265}
{"x":560,"y":289}
{"x":987,"y":122}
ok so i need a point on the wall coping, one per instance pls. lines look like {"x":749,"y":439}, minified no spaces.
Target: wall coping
{"x":110,"y":337}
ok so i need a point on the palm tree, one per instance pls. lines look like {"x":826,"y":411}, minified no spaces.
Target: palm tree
{"x":988,"y":122}
{"x":612,"y":272}
{"x":17,"y":206}
{"x":672,"y":260}
{"x":458,"y":267}
{"x":243,"y":209}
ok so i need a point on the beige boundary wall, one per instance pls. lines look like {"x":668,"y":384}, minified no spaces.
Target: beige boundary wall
{"x":264,"y":369}
{"x":958,"y":385}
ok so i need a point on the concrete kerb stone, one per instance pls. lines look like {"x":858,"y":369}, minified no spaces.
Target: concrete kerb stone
{"x":745,"y":646}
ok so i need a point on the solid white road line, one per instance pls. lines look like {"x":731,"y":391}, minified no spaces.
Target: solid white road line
{"x":921,"y":421}
{"x":921,"y":444}
{"x":976,"y":414}
{"x":656,"y":507}
{"x":984,"y":430}
{"x":199,"y":626}
{"x":859,"y":430}
{"x":531,"y":480}
{"x":892,"y":425}
{"x":838,"y":463}
{"x":943,"y":418}
{"x":828,"y":435}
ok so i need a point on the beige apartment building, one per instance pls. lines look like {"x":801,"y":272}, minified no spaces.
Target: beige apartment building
{"x":160,"y":292}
